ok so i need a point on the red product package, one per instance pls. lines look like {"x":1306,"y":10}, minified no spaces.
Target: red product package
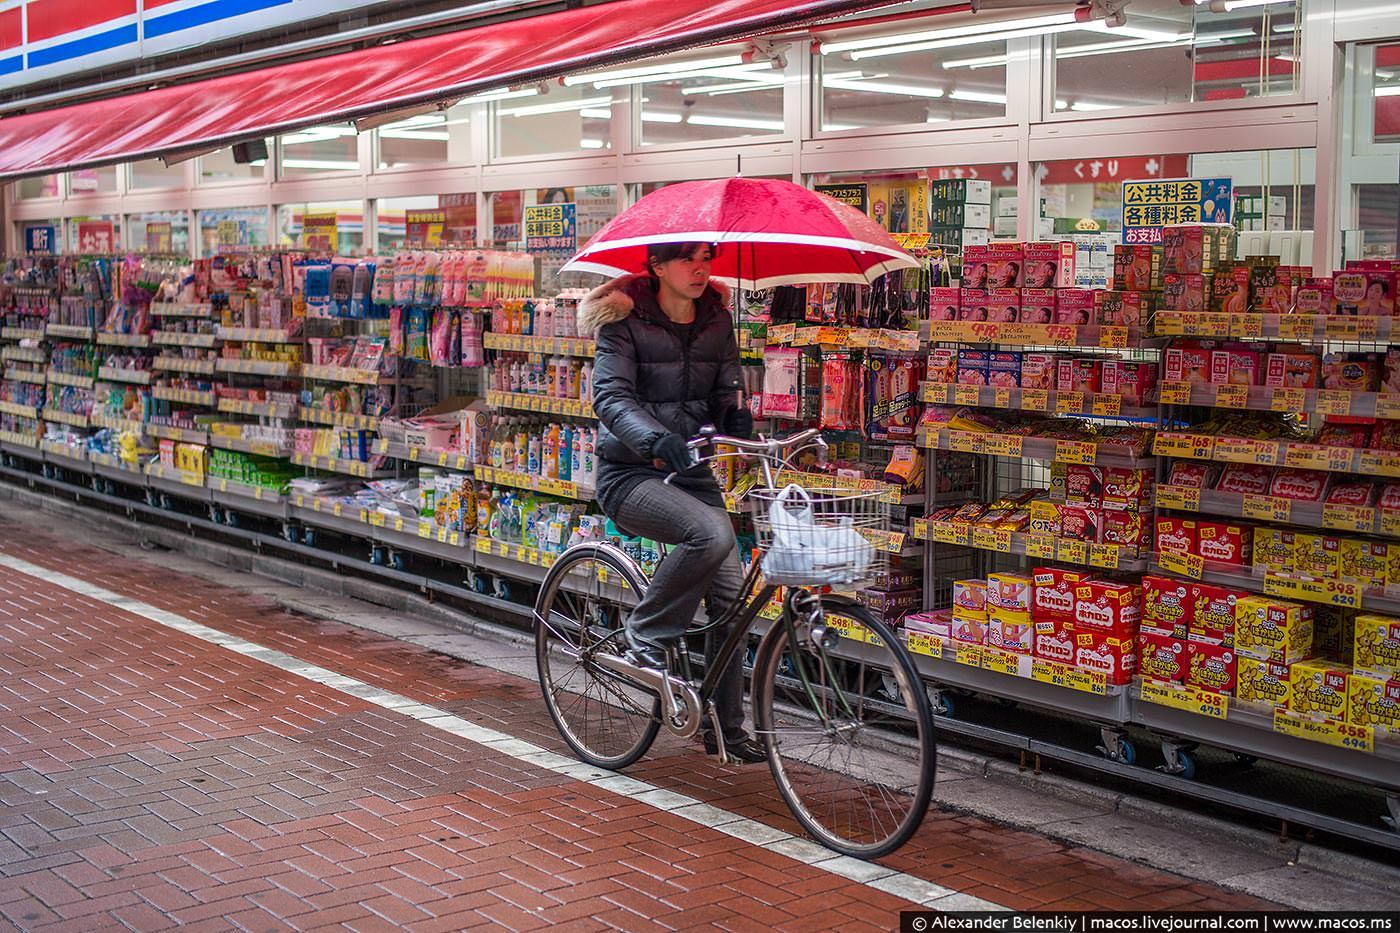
{"x":1166,"y":605}
{"x":1235,"y":367}
{"x":1074,"y":306}
{"x":1054,"y":592}
{"x":1314,"y":297}
{"x":1245,"y":479}
{"x":1212,"y":616}
{"x":840,"y":407}
{"x":1038,"y":370}
{"x":1129,"y":530}
{"x":1353,"y":436}
{"x":1389,"y":497}
{"x":1081,"y":523}
{"x":1352,"y":492}
{"x":943,"y":303}
{"x":1300,"y":485}
{"x":1385,"y":436}
{"x":1004,"y":265}
{"x":1130,"y":379}
{"x":1049,"y":265}
{"x":1177,"y":534}
{"x":1189,"y":291}
{"x":1223,"y":543}
{"x":1084,"y":485}
{"x":1187,"y":364}
{"x":1292,"y":370}
{"x":974,"y":268}
{"x":1037,"y":306}
{"x":1210,"y":666}
{"x":1103,"y":605}
{"x":1126,"y":489}
{"x":1004,"y":305}
{"x":1161,"y":656}
{"x":1112,"y":654}
{"x":1054,"y":641}
{"x":1079,"y":375}
{"x":972,"y":304}
{"x":1119,"y":308}
{"x":1190,"y":475}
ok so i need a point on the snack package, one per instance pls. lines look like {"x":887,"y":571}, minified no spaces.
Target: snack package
{"x":1210,"y":667}
{"x":1272,"y":629}
{"x":1038,"y":306}
{"x":1161,"y":656}
{"x":943,"y":304}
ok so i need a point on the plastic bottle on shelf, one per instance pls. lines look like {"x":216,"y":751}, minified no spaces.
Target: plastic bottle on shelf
{"x":544,"y":319}
{"x":585,"y":383}
{"x":566,"y":453}
{"x":575,"y":372}
{"x":532,"y":466}
{"x":485,"y":505}
{"x":590,"y":466}
{"x":576,"y":455}
{"x":522,"y":451}
{"x":549,"y":466}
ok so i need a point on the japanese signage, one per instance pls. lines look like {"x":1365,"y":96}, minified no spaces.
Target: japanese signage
{"x":858,"y":196}
{"x":320,"y":232}
{"x":425,"y":228}
{"x":1070,"y":171}
{"x":230,"y":233}
{"x":551,"y":227}
{"x":158,"y":237}
{"x":96,"y":236}
{"x":1148,"y":206}
{"x":41,"y":239}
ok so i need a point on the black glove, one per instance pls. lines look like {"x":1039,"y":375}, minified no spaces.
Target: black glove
{"x":670,"y":449}
{"x":738,"y":422}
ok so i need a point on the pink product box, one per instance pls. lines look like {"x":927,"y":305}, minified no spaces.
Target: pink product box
{"x":1038,"y":370}
{"x":1037,"y":306}
{"x":1005,"y":262}
{"x":944,"y":303}
{"x":973,"y":304}
{"x":974,"y":268}
{"x":1133,"y":381}
{"x":1074,"y":306}
{"x":938,"y":623}
{"x":1048,"y":265}
{"x":1004,"y":305}
{"x":1004,"y":369}
{"x":973,"y":367}
{"x":970,"y":594}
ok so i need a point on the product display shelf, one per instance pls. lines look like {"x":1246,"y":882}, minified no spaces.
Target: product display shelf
{"x":1262,"y":398}
{"x":68,"y":331}
{"x":1040,"y":335}
{"x":861,"y":338}
{"x":184,"y":396}
{"x":179,"y":364}
{"x":23,"y":355}
{"x":1266,"y":508}
{"x":66,"y":417}
{"x":179,"y":435}
{"x":184,"y":483}
{"x":261,"y":448}
{"x":22,"y":333}
{"x":543,"y":404}
{"x":172,"y":338}
{"x":140,"y":377}
{"x":237,"y":406}
{"x":19,"y":374}
{"x":255,"y":335}
{"x":1355,"y":752}
{"x":260,"y":500}
{"x":1191,"y":446}
{"x":56,"y":378}
{"x":1300,"y":328}
{"x":546,"y":346}
{"x":407,"y":533}
{"x":66,"y":456}
{"x":1348,"y":594}
{"x":340,"y":419}
{"x":1083,"y":404}
{"x":114,"y":467}
{"x":550,"y":487}
{"x":1037,"y":547}
{"x":114,"y":423}
{"x":257,"y":367}
{"x":23,"y":411}
{"x":345,"y":374}
{"x":107,"y":339}
{"x":443,"y":458}
{"x":888,"y":492}
{"x":1029,"y":448}
{"x":359,"y":468}
{"x":19,"y":439}
{"x":181,"y":309}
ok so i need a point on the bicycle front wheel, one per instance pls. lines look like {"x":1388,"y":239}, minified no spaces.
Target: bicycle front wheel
{"x":849,"y":733}
{"x":607,"y":720}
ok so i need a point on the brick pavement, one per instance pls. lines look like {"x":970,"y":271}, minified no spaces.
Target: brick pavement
{"x":150,"y":779}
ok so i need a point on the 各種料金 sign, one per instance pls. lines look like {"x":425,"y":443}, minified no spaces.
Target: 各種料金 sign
{"x":858,"y":196}
{"x":551,"y":227}
{"x":1152,"y":204}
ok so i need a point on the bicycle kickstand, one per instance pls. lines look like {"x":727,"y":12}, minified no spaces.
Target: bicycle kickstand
{"x":713,"y":713}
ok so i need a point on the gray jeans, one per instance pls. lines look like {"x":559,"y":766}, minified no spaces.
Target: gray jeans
{"x":703,"y":563}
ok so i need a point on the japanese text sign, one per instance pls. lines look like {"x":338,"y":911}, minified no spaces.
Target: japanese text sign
{"x":1150,"y":205}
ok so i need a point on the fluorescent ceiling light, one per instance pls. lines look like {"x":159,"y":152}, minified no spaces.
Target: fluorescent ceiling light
{"x":589,"y":113}
{"x":863,"y":54}
{"x":500,"y":94}
{"x":1139,"y":32}
{"x":654,"y":116}
{"x":737,"y":122}
{"x":737,"y":71}
{"x":1230,"y":6}
{"x":1085,"y":106}
{"x":562,"y":106}
{"x":882,"y":87}
{"x":947,"y":32}
{"x":656,"y":68}
{"x":322,"y":164}
{"x":591,"y":143}
{"x":318,"y":134}
{"x":430,"y":135}
{"x":981,"y":97}
{"x":1389,"y":91}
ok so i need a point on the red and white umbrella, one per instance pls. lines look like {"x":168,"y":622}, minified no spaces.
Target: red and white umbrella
{"x":771,"y":233}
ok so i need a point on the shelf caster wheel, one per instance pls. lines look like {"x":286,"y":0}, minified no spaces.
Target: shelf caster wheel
{"x":308,"y":537}
{"x":1392,"y":806}
{"x":166,"y":502}
{"x":289,"y":533}
{"x":216,"y":515}
{"x":396,"y":560}
{"x":1178,"y":760}
{"x":1117,"y":746}
{"x":152,"y":499}
{"x":376,"y":556}
{"x":231,"y":519}
{"x":942,"y":703}
{"x":502,"y":588}
{"x":481,"y":584}
{"x":888,"y":689}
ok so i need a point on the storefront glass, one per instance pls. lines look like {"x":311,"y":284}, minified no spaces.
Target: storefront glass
{"x":159,"y":232}
{"x":324,"y":226}
{"x":219,"y":167}
{"x":153,"y":173}
{"x":232,"y":228}
{"x":568,"y":118}
{"x":100,"y":233}
{"x":590,"y":208}
{"x":436,"y":220}
{"x":714,"y":96}
{"x":92,"y":181}
{"x":1174,"y":53}
{"x":39,"y":237}
{"x":319,"y":150}
{"x":40,"y":186}
{"x":425,"y":139}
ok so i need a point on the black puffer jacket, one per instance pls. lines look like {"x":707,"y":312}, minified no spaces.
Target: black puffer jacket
{"x":652,"y":377}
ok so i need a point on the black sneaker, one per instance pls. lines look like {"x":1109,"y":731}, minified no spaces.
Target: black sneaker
{"x":747,"y":750}
{"x":645,"y":654}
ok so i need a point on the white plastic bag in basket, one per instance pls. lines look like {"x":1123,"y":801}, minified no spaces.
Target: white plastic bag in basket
{"x":802,"y":548}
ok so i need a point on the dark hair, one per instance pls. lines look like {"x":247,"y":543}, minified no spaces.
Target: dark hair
{"x":665,"y":252}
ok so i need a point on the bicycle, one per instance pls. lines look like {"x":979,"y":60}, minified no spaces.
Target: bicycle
{"x":837,"y":715}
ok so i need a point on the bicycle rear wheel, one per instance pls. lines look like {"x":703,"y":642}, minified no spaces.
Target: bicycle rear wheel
{"x":849,"y":733}
{"x":606,"y":719}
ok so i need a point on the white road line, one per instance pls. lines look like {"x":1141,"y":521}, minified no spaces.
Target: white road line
{"x":869,"y":874}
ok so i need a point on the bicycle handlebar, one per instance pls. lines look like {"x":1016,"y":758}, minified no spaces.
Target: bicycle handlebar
{"x":770,"y":446}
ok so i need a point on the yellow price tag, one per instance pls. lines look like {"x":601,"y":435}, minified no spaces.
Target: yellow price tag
{"x":1189,"y":699}
{"x":1110,"y":406}
{"x":936,"y":393}
{"x":930,"y":646}
{"x":1071,"y":551}
{"x":1378,"y":464}
{"x":1001,"y":398}
{"x":1181,"y":563}
{"x":1179,"y":497}
{"x":1266,"y":508}
{"x":1328,"y":731}
{"x":950,"y":533}
{"x":425,"y":530}
{"x":376,"y":519}
{"x":1069,"y":402}
{"x":1114,"y":338}
{"x":1174,"y":393}
{"x":1349,"y":517}
{"x":1035,"y":399}
{"x":1388,"y":406}
{"x":483,"y":545}
{"x":964,"y":653}
{"x":1390,"y":522}
{"x":1247,"y":325}
{"x":1003,"y":662}
{"x":1080,"y":452}
{"x":966,"y":395}
{"x":992,"y":539}
{"x":1241,"y":450}
{"x":1288,"y":399}
{"x":1104,"y":555}
{"x":1333,"y":402}
{"x":335,"y":510}
{"x":1231,"y":396}
{"x":1040,"y":546}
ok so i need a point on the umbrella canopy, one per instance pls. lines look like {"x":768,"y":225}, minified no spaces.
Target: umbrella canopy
{"x":771,"y":233}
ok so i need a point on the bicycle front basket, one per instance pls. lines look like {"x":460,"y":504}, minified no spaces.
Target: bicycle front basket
{"x":820,"y":537}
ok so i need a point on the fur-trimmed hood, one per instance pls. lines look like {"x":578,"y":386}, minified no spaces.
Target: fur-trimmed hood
{"x":613,"y":301}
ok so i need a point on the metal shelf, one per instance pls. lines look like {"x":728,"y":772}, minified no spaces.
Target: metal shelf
{"x":21,"y":333}
{"x":184,"y":396}
{"x":180,"y":435}
{"x":565,"y":407}
{"x":177,"y":309}
{"x":253,"y":499}
{"x":59,"y":416}
{"x":1037,"y":547}
{"x":180,"y":364}
{"x":442,"y":458}
{"x":23,"y":355}
{"x":1347,"y":594}
{"x":123,"y":340}
{"x":22,"y":411}
{"x":1081,"y":404}
{"x":140,"y":377}
{"x":31,"y":376}
{"x":236,"y":406}
{"x":177,"y":482}
{"x":261,"y":448}
{"x":174,"y":338}
{"x":1264,"y":398}
{"x":340,"y":419}
{"x":1040,"y":335}
{"x":548,"y":346}
{"x":68,"y":332}
{"x":1189,"y":446}
{"x":551,"y":487}
{"x":70,"y":458}
{"x":1304,"y":328}
{"x":1360,"y":519}
{"x":256,"y":335}
{"x":56,"y":378}
{"x":358,"y":468}
{"x":1085,"y":452}
{"x":257,"y":367}
{"x":347,"y":374}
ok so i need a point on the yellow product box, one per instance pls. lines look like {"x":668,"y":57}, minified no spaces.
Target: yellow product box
{"x":1320,"y":689}
{"x":1392,"y":566}
{"x":1273,"y":629}
{"x":1045,"y":517}
{"x":1373,"y":701}
{"x":1363,"y":561}
{"x":1274,"y":548}
{"x":1008,"y":616}
{"x":1376,"y":645}
{"x":1317,"y":555}
{"x":1264,"y":682}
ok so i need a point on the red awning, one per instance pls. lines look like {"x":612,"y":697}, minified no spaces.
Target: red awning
{"x":220,"y":111}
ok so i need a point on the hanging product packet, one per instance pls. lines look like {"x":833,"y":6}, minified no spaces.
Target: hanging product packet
{"x":840,"y":408}
{"x":383,"y":290}
{"x":892,"y":396}
{"x":781,"y":366}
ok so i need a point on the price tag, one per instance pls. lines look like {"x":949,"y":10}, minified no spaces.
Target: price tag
{"x":1189,"y":699}
{"x":1001,"y":398}
{"x":1181,"y":563}
{"x":1379,"y":464}
{"x":1004,"y":662}
{"x":1368,"y":328}
{"x":1390,"y":522}
{"x":964,"y":442}
{"x":1341,"y":328}
{"x":1247,"y":325}
{"x":1329,"y":732}
{"x":1040,"y":546}
{"x":1245,"y":450}
{"x":1229,"y":396}
{"x":1288,"y":399}
{"x":1297,"y":326}
{"x":1035,"y":399}
{"x":503,"y":549}
{"x":1070,"y":402}
{"x":376,"y":519}
{"x":1110,"y":406}
{"x":1305,"y":456}
{"x":1174,"y":393}
{"x":1073,"y":678}
{"x":1114,"y":338}
{"x":930,"y":646}
{"x":989,"y":539}
{"x":1344,"y":593}
{"x":1169,"y":324}
{"x":936,"y":393}
{"x":1104,"y":555}
{"x":966,"y":395}
{"x":483,"y":545}
{"x":782,"y":333}
{"x":1061,"y":335}
{"x":1179,"y":497}
{"x":971,"y":655}
{"x":1071,"y":551}
{"x":425,"y":530}
{"x":1080,"y":452}
{"x":1349,"y":517}
{"x":1002,"y":445}
{"x":1333,"y":402}
{"x":1266,"y":508}
{"x":1388,"y":406}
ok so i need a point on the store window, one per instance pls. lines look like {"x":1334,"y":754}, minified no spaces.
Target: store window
{"x":717,"y":94}
{"x":1373,"y":165}
{"x":93,"y":181}
{"x":923,"y":73}
{"x":159,"y":232}
{"x":1382,"y":63}
{"x":324,"y":227}
{"x":427,"y":221}
{"x":96,"y":235}
{"x":319,"y":150}
{"x":585,"y":210}
{"x":425,"y":139}
{"x":575,"y":116}
{"x":40,"y":237}
{"x":220,"y":167}
{"x":1174,"y":53}
{"x":232,"y":228}
{"x":39,"y":186}
{"x":153,"y":173}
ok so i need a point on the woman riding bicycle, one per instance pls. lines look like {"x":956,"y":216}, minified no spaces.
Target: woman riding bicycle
{"x":666,"y":364}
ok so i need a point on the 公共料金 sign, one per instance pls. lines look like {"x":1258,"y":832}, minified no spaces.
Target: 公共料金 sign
{"x":551,"y":227}
{"x":1152,"y":204}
